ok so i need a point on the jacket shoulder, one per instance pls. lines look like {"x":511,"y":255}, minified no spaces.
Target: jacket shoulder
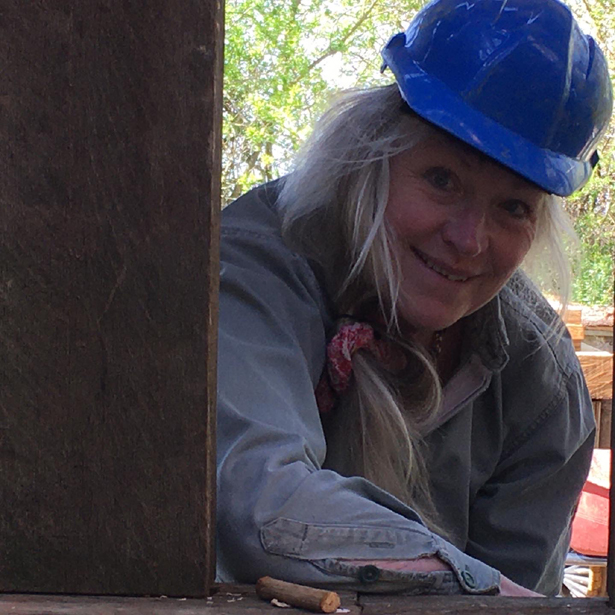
{"x":254,"y":212}
{"x":542,"y":383}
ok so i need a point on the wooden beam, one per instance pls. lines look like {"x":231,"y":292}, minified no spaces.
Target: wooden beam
{"x":485,"y":605}
{"x":598,"y":370}
{"x":605,"y":415}
{"x":232,"y":600}
{"x":573,"y":315}
{"x":109,"y":189}
{"x":577,"y":334}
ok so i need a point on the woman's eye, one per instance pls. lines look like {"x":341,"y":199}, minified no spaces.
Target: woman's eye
{"x":440,"y":178}
{"x":517,"y":209}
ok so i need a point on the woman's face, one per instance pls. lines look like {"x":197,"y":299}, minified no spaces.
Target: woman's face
{"x":463,"y":225}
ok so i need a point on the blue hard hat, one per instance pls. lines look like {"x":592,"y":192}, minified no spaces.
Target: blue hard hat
{"x":516,"y":79}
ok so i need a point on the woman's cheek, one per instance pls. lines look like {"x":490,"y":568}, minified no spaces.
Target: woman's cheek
{"x":523,"y":244}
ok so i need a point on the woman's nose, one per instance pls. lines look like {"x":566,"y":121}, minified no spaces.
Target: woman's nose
{"x":467,"y":232}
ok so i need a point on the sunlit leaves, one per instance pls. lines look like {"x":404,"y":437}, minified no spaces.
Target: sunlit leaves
{"x":283,"y":58}
{"x":592,"y":209}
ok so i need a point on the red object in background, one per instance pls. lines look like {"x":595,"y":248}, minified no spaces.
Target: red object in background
{"x":590,"y":527}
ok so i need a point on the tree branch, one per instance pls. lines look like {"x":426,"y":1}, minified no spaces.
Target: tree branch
{"x":331,"y":50}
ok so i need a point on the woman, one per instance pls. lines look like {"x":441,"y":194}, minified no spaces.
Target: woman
{"x":399,"y":409}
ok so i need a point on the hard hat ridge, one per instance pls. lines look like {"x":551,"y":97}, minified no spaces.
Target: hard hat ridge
{"x":517,"y":79}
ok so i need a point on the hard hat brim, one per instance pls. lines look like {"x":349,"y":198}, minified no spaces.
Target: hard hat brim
{"x":436,"y":103}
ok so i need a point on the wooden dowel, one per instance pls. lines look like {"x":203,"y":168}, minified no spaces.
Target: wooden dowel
{"x":317,"y":600}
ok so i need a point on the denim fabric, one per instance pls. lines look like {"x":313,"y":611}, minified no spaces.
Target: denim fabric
{"x":507,"y":453}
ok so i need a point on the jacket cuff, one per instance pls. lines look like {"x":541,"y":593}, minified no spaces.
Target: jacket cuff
{"x":474,"y":576}
{"x":327,"y":547}
{"x":372,"y":579}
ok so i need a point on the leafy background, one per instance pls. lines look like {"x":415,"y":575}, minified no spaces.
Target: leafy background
{"x":285,"y":58}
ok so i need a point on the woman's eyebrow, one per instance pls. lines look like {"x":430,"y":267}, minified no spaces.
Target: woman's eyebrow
{"x":467,"y":155}
{"x":462,"y":151}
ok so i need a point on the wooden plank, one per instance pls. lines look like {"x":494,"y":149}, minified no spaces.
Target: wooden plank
{"x":487,"y":605}
{"x":573,"y":315}
{"x":229,"y":600}
{"x":598,"y":370}
{"x":234,"y":601}
{"x":606,"y":417}
{"x":597,"y":582}
{"x":577,"y":332}
{"x":109,"y":181}
{"x":597,"y":408}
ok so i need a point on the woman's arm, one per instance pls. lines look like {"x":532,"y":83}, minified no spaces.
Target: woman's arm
{"x":279,"y":512}
{"x":433,"y":564}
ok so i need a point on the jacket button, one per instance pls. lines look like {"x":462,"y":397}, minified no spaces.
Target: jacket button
{"x":468,"y":579}
{"x":369,"y":574}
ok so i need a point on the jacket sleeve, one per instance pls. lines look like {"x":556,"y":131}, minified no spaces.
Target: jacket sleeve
{"x":279,"y":512}
{"x":545,"y":464}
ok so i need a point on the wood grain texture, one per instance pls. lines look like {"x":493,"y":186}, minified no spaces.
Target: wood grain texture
{"x":243,"y":601}
{"x":227,"y":600}
{"x":109,"y":182}
{"x":577,"y":331}
{"x":300,"y":596}
{"x":598,"y":371}
{"x":488,"y":605}
{"x":573,"y":315}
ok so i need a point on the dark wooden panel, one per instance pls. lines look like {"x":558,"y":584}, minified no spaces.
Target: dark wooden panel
{"x":606,"y":415}
{"x":229,"y":600}
{"x":487,"y":605}
{"x":242,"y":601}
{"x":109,"y":193}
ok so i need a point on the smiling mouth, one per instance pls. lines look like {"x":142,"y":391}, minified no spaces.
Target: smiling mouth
{"x":443,"y":272}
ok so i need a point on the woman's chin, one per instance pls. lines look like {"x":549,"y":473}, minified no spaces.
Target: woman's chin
{"x":416,"y":324}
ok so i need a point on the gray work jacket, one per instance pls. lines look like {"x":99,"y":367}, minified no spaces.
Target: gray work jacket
{"x":507,"y":454}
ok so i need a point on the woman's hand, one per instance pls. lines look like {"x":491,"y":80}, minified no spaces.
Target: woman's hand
{"x":510,"y":588}
{"x":423,"y":564}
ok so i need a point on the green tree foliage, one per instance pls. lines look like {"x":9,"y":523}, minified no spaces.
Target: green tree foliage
{"x":592,"y":209}
{"x":284,"y":59}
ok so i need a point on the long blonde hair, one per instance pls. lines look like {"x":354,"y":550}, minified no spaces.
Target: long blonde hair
{"x":333,"y":206}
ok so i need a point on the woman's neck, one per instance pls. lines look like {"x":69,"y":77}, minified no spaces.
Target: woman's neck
{"x":444,"y":346}
{"x":449,"y":355}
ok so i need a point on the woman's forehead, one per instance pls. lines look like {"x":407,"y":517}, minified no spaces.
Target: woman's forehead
{"x":440,"y":143}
